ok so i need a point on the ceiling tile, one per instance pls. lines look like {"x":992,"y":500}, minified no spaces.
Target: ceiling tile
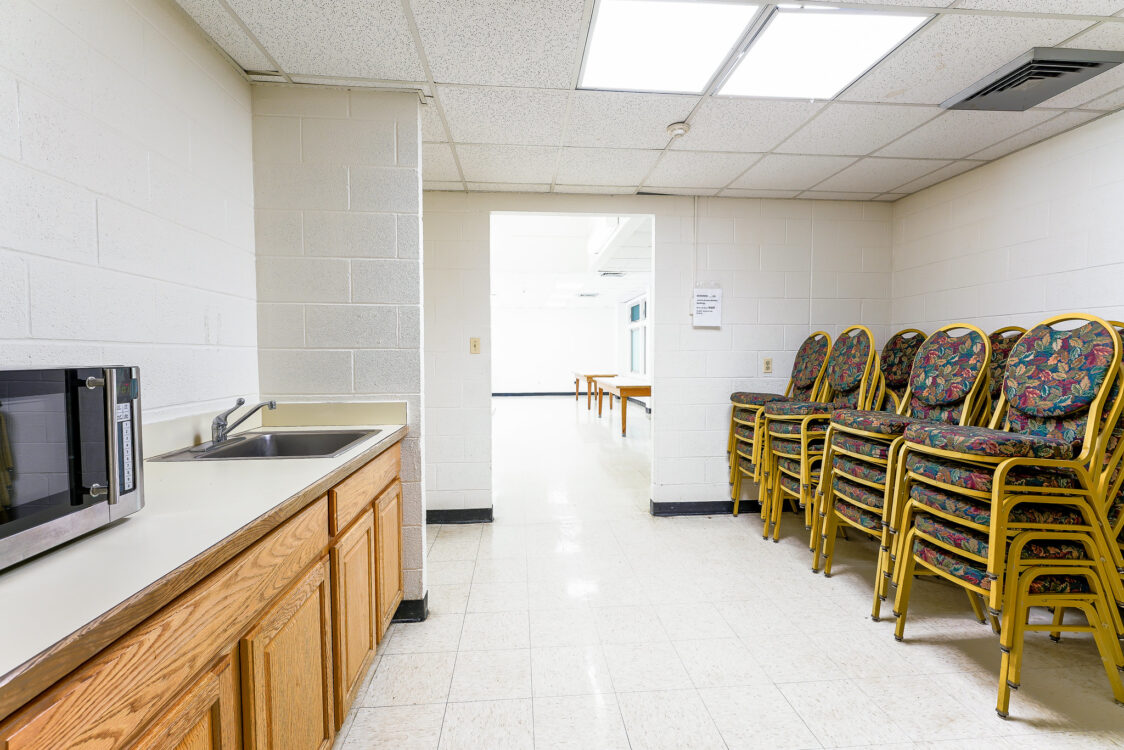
{"x":817,"y":195}
{"x":678,"y":191}
{"x":596,"y":189}
{"x":353,"y":38}
{"x":1072,"y":7}
{"x":438,"y":162}
{"x":890,"y":197}
{"x":1048,"y":129}
{"x":735,"y":124}
{"x":605,"y":166}
{"x":791,"y":172}
{"x":879,"y":175}
{"x":213,"y":18}
{"x":1109,"y":103}
{"x":365,"y":83}
{"x":611,"y":119}
{"x":699,"y":169}
{"x":531,"y":117}
{"x":856,"y":128}
{"x":525,"y":164}
{"x":437,"y":185}
{"x":501,"y":43}
{"x":942,"y":174}
{"x":742,"y":193}
{"x":1106,"y":35}
{"x":958,"y":133}
{"x":507,"y":187}
{"x":953,"y":52}
{"x":268,"y":78}
{"x":1089,"y":90}
{"x":431,"y":126}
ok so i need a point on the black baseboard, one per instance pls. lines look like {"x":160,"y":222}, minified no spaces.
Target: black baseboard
{"x":459,"y":515}
{"x":709,"y":508}
{"x":412,"y":610}
{"x":539,"y":393}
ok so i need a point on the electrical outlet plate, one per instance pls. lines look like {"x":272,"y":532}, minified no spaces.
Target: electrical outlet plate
{"x":474,"y":345}
{"x":767,"y":365}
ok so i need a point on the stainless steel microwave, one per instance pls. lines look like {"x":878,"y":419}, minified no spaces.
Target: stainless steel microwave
{"x":70,"y":455}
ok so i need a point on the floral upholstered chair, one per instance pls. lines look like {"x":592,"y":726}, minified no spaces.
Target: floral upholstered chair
{"x":1002,"y":342}
{"x":795,"y":430}
{"x":1018,"y":515}
{"x":947,"y":380}
{"x":747,"y":410}
{"x":895,"y":362}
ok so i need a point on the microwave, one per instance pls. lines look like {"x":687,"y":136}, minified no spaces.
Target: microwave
{"x":70,"y":455}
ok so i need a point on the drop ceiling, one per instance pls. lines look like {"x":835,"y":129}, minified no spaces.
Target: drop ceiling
{"x":503,"y":111}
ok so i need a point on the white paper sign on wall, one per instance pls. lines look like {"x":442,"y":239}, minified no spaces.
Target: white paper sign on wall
{"x":707,"y":307}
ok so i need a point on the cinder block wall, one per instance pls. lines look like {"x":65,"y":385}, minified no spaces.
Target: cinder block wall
{"x":337,"y":182}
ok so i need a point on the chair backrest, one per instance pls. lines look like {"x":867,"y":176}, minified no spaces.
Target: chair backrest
{"x":1002,"y":341}
{"x":851,"y":370}
{"x":1112,"y":465}
{"x":949,"y":375}
{"x":894,"y":365}
{"x":1059,"y":380}
{"x":808,"y":367}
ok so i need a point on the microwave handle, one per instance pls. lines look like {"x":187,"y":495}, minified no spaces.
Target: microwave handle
{"x":112,"y":449}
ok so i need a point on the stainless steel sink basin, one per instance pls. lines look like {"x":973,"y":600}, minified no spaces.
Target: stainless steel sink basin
{"x":259,"y":445}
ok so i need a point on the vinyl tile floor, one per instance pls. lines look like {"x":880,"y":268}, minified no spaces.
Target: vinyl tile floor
{"x":577,"y":620}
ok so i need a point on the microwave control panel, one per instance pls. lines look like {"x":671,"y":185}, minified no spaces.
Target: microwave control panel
{"x":124,"y":422}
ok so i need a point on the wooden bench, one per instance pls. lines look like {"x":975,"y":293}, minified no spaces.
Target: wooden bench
{"x":622,"y":388}
{"x":589,"y":378}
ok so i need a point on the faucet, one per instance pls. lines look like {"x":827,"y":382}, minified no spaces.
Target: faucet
{"x":220,"y":430}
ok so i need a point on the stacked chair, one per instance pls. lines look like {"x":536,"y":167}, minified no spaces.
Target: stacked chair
{"x":794,"y":431}
{"x":947,"y":381}
{"x":747,"y":411}
{"x":895,"y":362}
{"x":1017,"y":514}
{"x":1002,"y":342}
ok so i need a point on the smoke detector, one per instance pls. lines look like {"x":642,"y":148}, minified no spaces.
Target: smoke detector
{"x":678,"y":129}
{"x":1033,"y":77}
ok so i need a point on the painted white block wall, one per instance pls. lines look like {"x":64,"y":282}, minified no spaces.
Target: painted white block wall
{"x":536,"y":349}
{"x":337,"y":179}
{"x":1034,"y":234}
{"x":126,"y":200}
{"x":762,"y":253}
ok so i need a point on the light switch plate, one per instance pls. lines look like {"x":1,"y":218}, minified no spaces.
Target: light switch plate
{"x":474,"y":345}
{"x":767,"y":365}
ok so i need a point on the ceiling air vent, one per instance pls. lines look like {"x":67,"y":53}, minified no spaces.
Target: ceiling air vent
{"x":1034,"y":77}
{"x":611,"y":274}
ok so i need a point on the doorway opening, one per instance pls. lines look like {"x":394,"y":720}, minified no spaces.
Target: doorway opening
{"x":572,"y":353}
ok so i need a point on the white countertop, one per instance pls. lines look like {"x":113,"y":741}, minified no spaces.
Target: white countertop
{"x":189,"y":507}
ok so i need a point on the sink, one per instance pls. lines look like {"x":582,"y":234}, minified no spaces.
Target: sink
{"x":261,"y":445}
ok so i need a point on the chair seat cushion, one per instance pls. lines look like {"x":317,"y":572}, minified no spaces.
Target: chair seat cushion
{"x":745,"y":414}
{"x":798,"y":408}
{"x":861,"y":446}
{"x":790,"y":484}
{"x":792,"y":447}
{"x":859,"y":469}
{"x":976,"y":574}
{"x":972,"y":477}
{"x":979,"y":511}
{"x":793,"y":428}
{"x":744,"y":464}
{"x":858,"y":516}
{"x":743,"y":432}
{"x":881,"y":422}
{"x":980,"y":441}
{"x":976,"y":543}
{"x":751,"y":398}
{"x":791,"y":465}
{"x":858,"y":493}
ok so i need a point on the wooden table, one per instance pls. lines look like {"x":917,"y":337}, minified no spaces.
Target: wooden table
{"x":589,"y":385}
{"x":623,"y":388}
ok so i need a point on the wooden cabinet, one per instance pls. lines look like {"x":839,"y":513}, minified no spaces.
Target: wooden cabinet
{"x":388,"y":554}
{"x":287,"y":670}
{"x":353,"y":609}
{"x":205,"y":718}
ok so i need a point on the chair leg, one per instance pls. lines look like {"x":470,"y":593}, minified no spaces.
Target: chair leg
{"x":977,"y":608}
{"x":831,"y":525}
{"x":901,"y":600}
{"x":1059,"y":615}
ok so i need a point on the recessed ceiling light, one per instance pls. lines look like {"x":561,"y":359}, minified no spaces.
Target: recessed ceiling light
{"x":816,"y":54}
{"x":677,"y":129}
{"x":661,"y":45}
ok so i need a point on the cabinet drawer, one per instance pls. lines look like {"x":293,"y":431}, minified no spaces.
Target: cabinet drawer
{"x":351,"y":496}
{"x":108,"y":700}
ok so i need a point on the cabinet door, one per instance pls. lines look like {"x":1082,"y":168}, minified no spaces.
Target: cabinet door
{"x":205,"y":718}
{"x":287,"y":670}
{"x":388,"y":554}
{"x":353,"y":601}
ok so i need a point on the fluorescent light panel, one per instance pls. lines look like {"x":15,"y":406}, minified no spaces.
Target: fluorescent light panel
{"x":661,"y":45}
{"x":816,"y":54}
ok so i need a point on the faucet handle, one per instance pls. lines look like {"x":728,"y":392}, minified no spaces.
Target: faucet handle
{"x":221,"y":418}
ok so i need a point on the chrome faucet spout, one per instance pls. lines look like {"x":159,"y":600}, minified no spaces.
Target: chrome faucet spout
{"x":220,"y":430}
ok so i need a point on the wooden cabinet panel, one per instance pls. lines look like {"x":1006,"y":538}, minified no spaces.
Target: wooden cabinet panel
{"x":353,"y":609}
{"x":205,"y":718}
{"x":287,"y":670}
{"x":107,"y":701}
{"x":351,"y":496}
{"x":388,"y":554}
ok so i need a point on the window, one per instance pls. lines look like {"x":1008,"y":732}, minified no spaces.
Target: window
{"x":638,"y":337}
